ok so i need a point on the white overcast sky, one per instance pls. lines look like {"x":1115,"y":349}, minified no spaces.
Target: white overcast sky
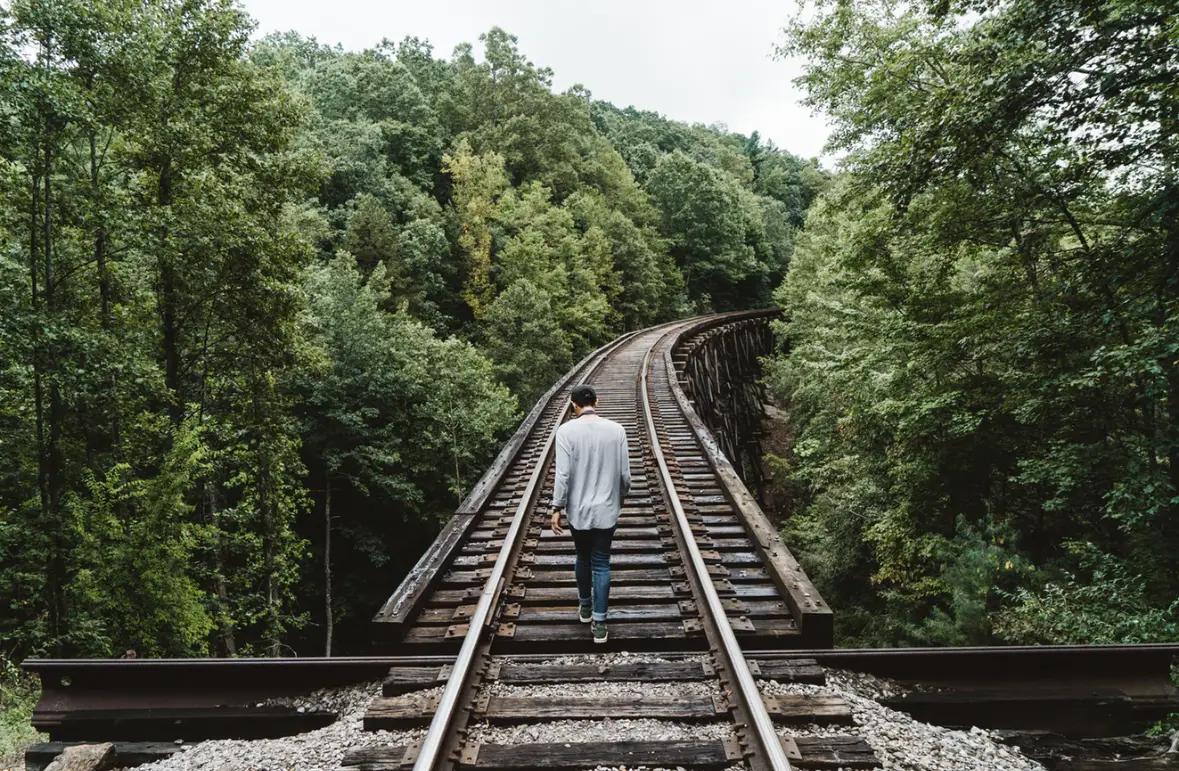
{"x":701,"y":61}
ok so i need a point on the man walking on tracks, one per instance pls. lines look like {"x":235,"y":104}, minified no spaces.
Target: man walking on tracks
{"x":593,"y":473}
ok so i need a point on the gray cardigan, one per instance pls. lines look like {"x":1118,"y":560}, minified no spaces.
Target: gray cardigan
{"x":593,"y":472}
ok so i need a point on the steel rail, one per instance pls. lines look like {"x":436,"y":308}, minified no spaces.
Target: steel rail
{"x":431,"y":745}
{"x":763,"y":726}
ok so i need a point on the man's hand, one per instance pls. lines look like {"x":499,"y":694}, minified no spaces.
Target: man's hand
{"x":557,"y":522}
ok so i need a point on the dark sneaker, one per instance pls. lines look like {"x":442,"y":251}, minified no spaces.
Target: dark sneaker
{"x":598,"y":630}
{"x":585,"y":613}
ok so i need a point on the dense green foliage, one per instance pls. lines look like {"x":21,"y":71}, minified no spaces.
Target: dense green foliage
{"x":984,"y":322}
{"x":266,"y":310}
{"x":18,"y":695}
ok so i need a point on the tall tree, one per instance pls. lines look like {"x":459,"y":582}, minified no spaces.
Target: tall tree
{"x":385,"y":405}
{"x":478,"y":182}
{"x":705,"y":217}
{"x":984,"y":313}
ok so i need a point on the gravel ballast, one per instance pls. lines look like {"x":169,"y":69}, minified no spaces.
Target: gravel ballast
{"x":902,"y":743}
{"x":578,"y":731}
{"x":320,"y":750}
{"x":699,"y":689}
{"x":612,"y":659}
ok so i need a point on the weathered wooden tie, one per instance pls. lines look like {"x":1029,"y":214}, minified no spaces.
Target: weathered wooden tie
{"x":808,"y":752}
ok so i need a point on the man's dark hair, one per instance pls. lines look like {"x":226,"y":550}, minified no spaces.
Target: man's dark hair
{"x":583,"y":395}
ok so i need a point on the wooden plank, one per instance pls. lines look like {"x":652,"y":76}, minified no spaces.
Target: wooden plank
{"x":374,"y":759}
{"x":651,"y":544}
{"x":734,"y":558}
{"x":616,"y":560}
{"x":642,"y":529}
{"x":443,"y":616}
{"x":832,"y":752}
{"x":731,"y":544}
{"x":1169,"y":762}
{"x":635,"y":535}
{"x":406,"y":679}
{"x":455,"y":596}
{"x":539,"y":595}
{"x":549,"y":577}
{"x":654,"y":630}
{"x":193,"y":723}
{"x":566,"y":560}
{"x":401,"y":711}
{"x":807,"y":708}
{"x":424,"y":635}
{"x":789,"y":670}
{"x":1083,"y":709}
{"x":765,"y":609}
{"x":503,"y":710}
{"x":727,"y":530}
{"x":619,"y":614}
{"x":652,"y":754}
{"x":747,"y":575}
{"x":1115,"y":753}
{"x":406,"y":600}
{"x":463,"y":578}
{"x":405,"y":711}
{"x":779,"y":626}
{"x":749,"y":591}
{"x":670,"y":671}
{"x":817,"y":752}
{"x":1030,"y":691}
{"x":127,"y":754}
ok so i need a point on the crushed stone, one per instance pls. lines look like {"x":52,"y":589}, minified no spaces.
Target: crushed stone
{"x":319,"y":750}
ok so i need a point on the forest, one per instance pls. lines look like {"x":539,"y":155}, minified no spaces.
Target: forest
{"x":983,"y":376}
{"x":269,"y":307}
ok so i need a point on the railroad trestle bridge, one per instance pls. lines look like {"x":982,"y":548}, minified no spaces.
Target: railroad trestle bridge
{"x":713,"y":362}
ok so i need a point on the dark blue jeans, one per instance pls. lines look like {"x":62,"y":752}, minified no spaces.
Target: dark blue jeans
{"x":592,"y":568}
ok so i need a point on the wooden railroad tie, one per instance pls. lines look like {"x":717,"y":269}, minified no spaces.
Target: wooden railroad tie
{"x":809,"y":752}
{"x":404,"y":711}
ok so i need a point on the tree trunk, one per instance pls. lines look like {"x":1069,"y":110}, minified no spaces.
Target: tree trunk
{"x":458,"y":481}
{"x":1170,"y":367}
{"x":267,"y":523}
{"x":268,"y":561}
{"x":53,"y":464}
{"x":39,"y":410}
{"x":327,"y":560}
{"x":228,"y":643}
{"x":169,"y":305}
{"x":1173,"y":454}
{"x":104,"y":279}
{"x":109,"y":402}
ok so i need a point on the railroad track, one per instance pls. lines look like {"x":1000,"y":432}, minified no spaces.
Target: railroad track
{"x":716,"y":636}
{"x":769,"y":601}
{"x":694,"y":577}
{"x":1063,"y":705}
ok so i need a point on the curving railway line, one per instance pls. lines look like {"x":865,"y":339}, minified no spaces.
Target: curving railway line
{"x":691,"y":574}
{"x":711,"y":622}
{"x":497,"y":546}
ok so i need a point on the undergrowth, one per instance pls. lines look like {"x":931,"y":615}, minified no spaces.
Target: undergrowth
{"x":18,"y":694}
